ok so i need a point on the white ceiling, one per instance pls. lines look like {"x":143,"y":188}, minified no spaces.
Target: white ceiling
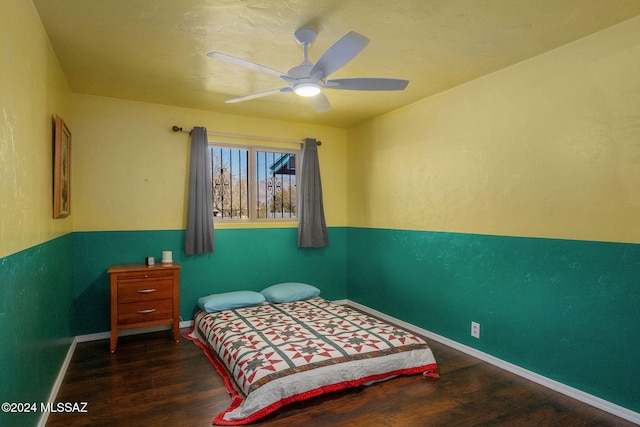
{"x":155,"y":50}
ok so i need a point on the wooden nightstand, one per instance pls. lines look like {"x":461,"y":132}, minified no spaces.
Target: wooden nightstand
{"x":144,"y":296}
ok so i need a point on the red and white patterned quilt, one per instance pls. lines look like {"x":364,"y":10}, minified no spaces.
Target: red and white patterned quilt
{"x":273,"y":354}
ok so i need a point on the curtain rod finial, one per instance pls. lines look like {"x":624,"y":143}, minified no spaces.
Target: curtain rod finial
{"x":176,"y":128}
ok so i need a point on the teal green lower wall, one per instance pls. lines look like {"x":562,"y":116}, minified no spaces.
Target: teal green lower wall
{"x":568,"y":310}
{"x":244,"y":259}
{"x":35,"y":324}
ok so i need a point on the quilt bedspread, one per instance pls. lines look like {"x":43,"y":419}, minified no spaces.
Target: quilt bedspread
{"x":273,"y":354}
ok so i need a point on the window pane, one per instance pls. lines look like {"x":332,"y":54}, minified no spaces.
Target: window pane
{"x":229,"y":178}
{"x":276,"y":185}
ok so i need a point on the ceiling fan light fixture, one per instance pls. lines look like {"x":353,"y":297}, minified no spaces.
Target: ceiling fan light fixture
{"x":307,"y":89}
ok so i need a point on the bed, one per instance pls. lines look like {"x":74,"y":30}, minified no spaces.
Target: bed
{"x":270,"y":354}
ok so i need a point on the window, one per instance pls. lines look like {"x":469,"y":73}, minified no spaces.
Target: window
{"x":253,"y":183}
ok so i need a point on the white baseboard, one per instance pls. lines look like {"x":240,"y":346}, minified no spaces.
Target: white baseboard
{"x":574,"y":393}
{"x":106,"y":335}
{"x":58,"y":383}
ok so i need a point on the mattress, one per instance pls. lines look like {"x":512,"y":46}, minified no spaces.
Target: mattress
{"x":270,"y":355}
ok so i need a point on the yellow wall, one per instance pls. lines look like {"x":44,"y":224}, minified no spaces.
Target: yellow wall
{"x":549,"y":147}
{"x":131,"y":169}
{"x":33,"y":90}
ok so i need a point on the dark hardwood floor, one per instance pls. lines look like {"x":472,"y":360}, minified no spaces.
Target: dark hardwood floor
{"x":152,"y":381}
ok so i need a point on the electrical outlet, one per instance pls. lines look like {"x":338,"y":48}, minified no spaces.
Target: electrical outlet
{"x":475,"y":329}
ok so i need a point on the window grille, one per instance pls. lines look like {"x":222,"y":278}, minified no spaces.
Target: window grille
{"x":253,"y":183}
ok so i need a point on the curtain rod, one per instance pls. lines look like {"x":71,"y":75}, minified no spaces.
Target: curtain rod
{"x":238,"y":135}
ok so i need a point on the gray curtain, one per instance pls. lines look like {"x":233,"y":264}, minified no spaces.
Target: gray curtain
{"x":312,"y":228}
{"x":199,"y":235}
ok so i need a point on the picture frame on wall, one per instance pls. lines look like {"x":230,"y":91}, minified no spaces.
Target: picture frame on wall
{"x":61,"y":169}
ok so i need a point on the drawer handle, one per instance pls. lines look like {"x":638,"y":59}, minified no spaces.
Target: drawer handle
{"x":151,"y":310}
{"x":146,"y":291}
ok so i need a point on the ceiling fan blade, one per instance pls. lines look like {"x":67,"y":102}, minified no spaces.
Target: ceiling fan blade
{"x":319,"y":103}
{"x":246,"y":64}
{"x":366,"y":83}
{"x":342,"y":51}
{"x":258,"y":95}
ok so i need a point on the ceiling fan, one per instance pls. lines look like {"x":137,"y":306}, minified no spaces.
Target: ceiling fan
{"x":308,"y":79}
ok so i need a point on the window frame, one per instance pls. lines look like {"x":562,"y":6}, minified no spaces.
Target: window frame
{"x":252,"y":149}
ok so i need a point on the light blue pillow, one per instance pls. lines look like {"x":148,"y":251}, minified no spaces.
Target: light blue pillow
{"x":229,"y":300}
{"x":289,"y":292}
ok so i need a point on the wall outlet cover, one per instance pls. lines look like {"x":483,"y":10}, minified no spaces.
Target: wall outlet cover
{"x":475,"y":329}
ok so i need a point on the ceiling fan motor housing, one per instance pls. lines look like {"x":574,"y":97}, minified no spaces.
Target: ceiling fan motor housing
{"x":304,"y":36}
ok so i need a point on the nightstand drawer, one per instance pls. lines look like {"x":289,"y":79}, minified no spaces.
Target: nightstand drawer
{"x":148,"y":290}
{"x":147,"y":311}
{"x":144,"y":275}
